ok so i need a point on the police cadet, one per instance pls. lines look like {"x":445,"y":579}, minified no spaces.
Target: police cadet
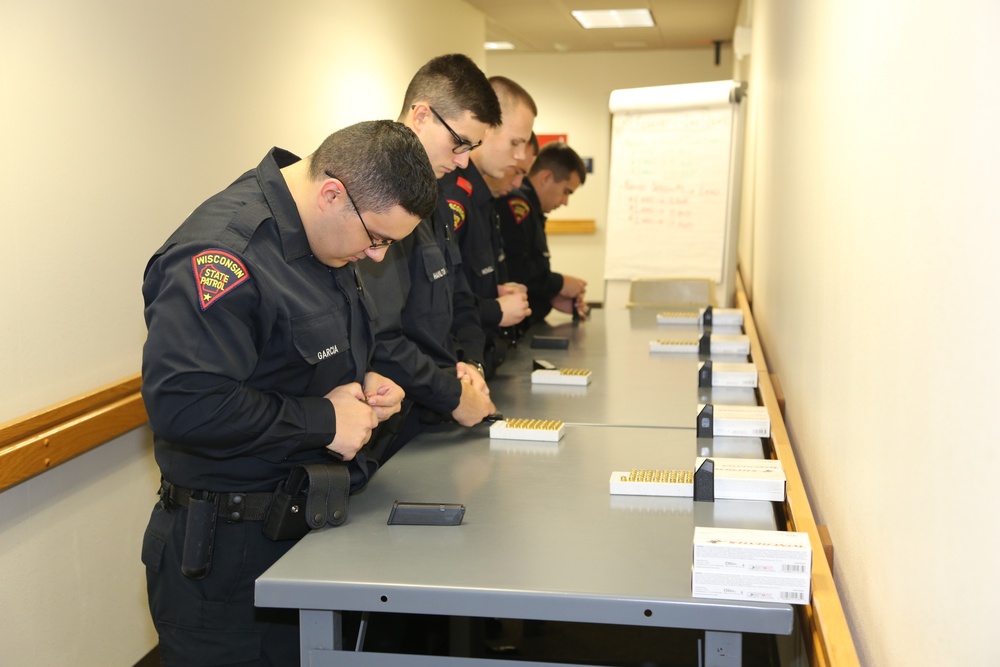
{"x":429,"y":338}
{"x":556,"y":174}
{"x":513,"y":177}
{"x":256,"y":379}
{"x":502,"y":304}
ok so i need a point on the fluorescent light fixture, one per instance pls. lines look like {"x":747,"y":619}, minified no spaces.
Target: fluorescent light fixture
{"x":498,"y":46}
{"x":614,"y":18}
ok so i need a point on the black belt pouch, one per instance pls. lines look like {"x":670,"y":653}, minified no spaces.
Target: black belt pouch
{"x":199,"y":536}
{"x":312,"y":496}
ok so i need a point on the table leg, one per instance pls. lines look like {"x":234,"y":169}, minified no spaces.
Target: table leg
{"x":723,"y":649}
{"x":319,"y":630}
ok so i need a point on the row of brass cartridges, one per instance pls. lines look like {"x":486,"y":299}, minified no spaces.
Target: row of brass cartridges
{"x":537,"y":424}
{"x":661,"y":476}
{"x":574,"y":371}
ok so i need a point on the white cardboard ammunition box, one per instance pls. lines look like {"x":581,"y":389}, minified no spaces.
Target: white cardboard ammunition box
{"x":730,"y":374}
{"x":729,"y":586}
{"x":721,"y":317}
{"x":747,"y":479}
{"x":735,"y":420}
{"x":741,"y":564}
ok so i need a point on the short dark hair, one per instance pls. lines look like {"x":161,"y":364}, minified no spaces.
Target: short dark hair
{"x":510,"y":94}
{"x":453,"y":84}
{"x":382,"y":163}
{"x":533,"y":142}
{"x":561,"y":160}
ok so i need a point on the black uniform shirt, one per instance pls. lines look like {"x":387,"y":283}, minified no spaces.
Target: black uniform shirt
{"x":522,"y":227}
{"x":479,"y":238}
{"x":247,"y":333}
{"x":428,"y":318}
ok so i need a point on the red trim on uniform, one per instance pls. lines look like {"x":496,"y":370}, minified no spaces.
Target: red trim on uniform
{"x":465,"y":184}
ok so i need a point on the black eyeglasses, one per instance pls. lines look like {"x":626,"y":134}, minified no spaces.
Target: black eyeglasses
{"x":463,"y":145}
{"x":384,"y":243}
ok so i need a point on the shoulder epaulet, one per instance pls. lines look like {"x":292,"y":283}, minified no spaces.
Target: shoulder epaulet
{"x":465,"y":184}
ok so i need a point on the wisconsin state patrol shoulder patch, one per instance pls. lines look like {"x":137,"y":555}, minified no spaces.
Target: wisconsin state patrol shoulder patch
{"x":465,"y":184}
{"x":457,"y":213}
{"x":217,"y":273}
{"x":520,"y":208}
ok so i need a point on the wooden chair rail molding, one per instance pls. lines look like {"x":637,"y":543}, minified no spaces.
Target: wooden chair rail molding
{"x":570,"y":227}
{"x":42,"y":440}
{"x":825,"y":631}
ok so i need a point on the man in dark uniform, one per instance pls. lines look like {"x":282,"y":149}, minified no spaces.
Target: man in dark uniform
{"x":556,"y":174}
{"x":428,"y":337}
{"x":257,"y":363}
{"x":501,"y":304}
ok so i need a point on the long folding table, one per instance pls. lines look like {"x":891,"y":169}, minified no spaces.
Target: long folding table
{"x":542,"y":537}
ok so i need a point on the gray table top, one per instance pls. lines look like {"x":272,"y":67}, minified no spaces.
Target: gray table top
{"x":542,"y":536}
{"x":629,"y":385}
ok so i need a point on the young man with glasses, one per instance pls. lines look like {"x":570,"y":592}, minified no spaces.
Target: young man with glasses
{"x":501,"y":304}
{"x":256,"y":366}
{"x":428,"y":337}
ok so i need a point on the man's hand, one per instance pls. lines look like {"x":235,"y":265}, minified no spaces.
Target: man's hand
{"x":511,"y":288}
{"x":355,"y":420}
{"x":471,"y":375}
{"x":473,"y":407}
{"x":383,"y":395}
{"x":514,"y":308}
{"x":573,"y":287}
{"x":567,"y":305}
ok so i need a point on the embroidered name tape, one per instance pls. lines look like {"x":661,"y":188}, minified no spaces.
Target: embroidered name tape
{"x":217,"y":273}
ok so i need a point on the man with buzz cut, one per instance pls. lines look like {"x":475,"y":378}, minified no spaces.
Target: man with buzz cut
{"x":429,"y":338}
{"x":555,"y":175}
{"x":501,"y":304}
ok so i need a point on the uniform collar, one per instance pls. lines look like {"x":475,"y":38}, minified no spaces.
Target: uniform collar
{"x":527,"y":191}
{"x":294,"y":242}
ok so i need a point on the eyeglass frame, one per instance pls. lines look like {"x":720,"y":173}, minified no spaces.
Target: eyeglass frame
{"x":464,"y":145}
{"x":376,"y":245}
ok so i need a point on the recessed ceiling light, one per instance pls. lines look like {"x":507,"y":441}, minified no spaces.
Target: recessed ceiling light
{"x":614,"y":18}
{"x":498,"y":46}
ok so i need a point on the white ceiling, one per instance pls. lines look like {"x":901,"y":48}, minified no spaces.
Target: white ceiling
{"x":547,"y":26}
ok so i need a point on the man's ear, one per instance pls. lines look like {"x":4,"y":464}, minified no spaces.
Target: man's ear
{"x":420,"y":115}
{"x":329,"y":192}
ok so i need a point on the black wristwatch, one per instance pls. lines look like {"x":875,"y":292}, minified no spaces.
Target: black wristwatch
{"x":478,"y":366}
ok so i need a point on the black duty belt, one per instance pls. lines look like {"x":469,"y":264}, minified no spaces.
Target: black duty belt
{"x":234,"y":506}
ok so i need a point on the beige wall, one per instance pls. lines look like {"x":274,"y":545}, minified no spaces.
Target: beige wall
{"x":572,"y":92}
{"x":119,"y":117}
{"x":868,"y":225}
{"x":874,"y":250}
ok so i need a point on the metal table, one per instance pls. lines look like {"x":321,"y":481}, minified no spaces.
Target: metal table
{"x":542,"y":539}
{"x":630,"y":386}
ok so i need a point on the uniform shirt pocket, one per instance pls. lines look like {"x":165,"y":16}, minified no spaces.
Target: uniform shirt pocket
{"x":321,"y":336}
